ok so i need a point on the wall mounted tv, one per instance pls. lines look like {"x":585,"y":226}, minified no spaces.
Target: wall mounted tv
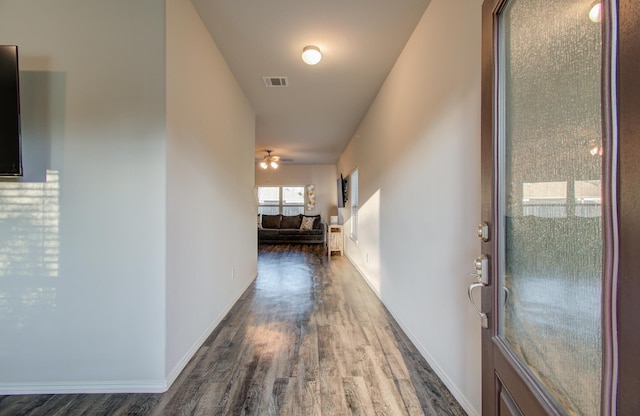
{"x":342,"y":191}
{"x":10,"y":141}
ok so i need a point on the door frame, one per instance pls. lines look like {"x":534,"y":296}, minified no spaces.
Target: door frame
{"x":628,"y":291}
{"x":621,"y":224}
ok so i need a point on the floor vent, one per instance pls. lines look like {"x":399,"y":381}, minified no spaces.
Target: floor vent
{"x":275,"y":81}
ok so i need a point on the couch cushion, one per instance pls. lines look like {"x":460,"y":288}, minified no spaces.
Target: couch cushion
{"x":291,"y":221}
{"x":292,"y":236}
{"x":271,"y":221}
{"x":268,"y":232}
{"x":290,"y":232}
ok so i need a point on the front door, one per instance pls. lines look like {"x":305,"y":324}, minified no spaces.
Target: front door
{"x":553,"y":204}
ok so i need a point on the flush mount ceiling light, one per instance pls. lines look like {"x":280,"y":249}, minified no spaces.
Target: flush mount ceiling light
{"x":595,"y":13}
{"x":269,"y":161}
{"x":311,"y":55}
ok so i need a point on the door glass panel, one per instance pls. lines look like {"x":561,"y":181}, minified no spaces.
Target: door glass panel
{"x":550,"y":158}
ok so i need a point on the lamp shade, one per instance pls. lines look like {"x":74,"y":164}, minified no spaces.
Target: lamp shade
{"x":311,"y":55}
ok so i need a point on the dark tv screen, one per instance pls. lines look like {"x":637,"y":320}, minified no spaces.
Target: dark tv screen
{"x":10,"y":146}
{"x":340,"y":192}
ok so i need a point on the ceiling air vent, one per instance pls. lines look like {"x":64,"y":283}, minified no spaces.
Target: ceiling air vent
{"x":275,"y":81}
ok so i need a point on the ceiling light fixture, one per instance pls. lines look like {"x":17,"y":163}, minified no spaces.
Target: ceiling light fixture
{"x":311,"y":55}
{"x":269,"y":161}
{"x":595,"y":13}
{"x":595,"y":148}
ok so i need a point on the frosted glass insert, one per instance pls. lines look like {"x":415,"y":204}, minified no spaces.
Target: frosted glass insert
{"x":550,"y":135}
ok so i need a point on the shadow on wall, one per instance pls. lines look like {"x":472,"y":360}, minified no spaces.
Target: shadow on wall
{"x":43,"y":103}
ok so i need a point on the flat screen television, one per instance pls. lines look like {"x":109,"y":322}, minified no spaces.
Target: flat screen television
{"x":340,"y":192}
{"x":10,"y":137}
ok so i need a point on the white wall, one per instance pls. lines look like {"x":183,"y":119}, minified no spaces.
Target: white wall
{"x":322,"y":176}
{"x":417,"y":154}
{"x":137,"y":182}
{"x":82,"y":260}
{"x":211,"y":234}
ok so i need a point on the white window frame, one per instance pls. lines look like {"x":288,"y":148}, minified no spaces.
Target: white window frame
{"x":353,"y":187}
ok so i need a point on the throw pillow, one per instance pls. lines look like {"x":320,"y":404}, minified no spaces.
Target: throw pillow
{"x":259,"y":221}
{"x":307,"y":223}
{"x":316,"y":220}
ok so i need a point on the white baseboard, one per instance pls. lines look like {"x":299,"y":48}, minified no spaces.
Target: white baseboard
{"x":87,"y":387}
{"x":173,"y":375}
{"x":461,"y":398}
{"x":139,"y":386}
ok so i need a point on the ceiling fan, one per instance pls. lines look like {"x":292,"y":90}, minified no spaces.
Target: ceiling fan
{"x":272,"y":161}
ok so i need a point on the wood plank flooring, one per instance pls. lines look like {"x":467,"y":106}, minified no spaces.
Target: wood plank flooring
{"x":309,"y":337}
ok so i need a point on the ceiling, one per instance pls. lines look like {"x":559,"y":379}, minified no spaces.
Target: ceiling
{"x":314,"y":117}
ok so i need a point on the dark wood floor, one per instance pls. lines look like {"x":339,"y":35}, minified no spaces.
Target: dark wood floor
{"x":309,"y":337}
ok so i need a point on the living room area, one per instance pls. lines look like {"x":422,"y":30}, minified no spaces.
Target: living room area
{"x":292,"y":193}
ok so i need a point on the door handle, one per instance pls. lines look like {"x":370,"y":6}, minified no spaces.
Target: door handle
{"x":483,"y":316}
{"x":481,"y":264}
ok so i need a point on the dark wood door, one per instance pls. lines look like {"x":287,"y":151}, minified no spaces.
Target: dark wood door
{"x":561,"y":204}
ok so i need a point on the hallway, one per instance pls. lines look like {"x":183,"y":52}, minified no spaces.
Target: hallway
{"x":308,"y":337}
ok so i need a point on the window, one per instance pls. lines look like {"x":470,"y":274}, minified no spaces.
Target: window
{"x":588,"y":200}
{"x":354,"y":205}
{"x":559,"y":199}
{"x":268,"y":200}
{"x":544,"y":199}
{"x":285,"y":200}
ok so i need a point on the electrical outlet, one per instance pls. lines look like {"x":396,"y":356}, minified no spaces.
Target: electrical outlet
{"x":233,"y":272}
{"x":367,"y":257}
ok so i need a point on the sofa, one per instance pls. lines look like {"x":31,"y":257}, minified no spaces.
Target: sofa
{"x":291,"y":229}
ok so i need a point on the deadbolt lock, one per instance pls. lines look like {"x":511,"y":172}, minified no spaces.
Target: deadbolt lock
{"x":483,"y":231}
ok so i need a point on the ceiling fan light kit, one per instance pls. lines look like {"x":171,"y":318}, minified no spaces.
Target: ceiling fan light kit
{"x":269,"y":161}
